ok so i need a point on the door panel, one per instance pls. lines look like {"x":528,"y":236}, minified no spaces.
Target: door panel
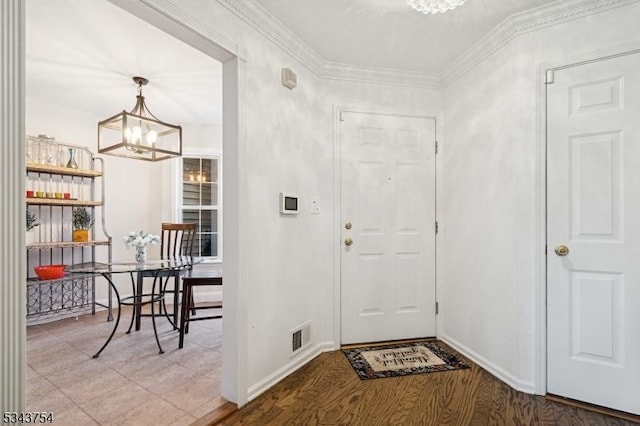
{"x":388,"y":196}
{"x":593,"y":208}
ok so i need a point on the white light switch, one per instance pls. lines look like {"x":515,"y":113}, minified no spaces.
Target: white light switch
{"x":315,"y":205}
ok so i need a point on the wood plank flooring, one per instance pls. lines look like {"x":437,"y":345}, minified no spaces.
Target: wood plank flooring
{"x":328,"y":392}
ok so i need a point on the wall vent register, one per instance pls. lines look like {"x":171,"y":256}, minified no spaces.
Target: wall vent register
{"x":300,"y":338}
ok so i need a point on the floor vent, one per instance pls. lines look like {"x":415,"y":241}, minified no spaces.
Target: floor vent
{"x":300,"y":337}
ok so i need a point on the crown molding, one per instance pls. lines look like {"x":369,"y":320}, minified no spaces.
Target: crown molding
{"x":264,"y":23}
{"x":273,"y":30}
{"x":377,"y":75}
{"x":528,"y":21}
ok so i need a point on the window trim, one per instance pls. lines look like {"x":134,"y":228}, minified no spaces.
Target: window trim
{"x":177,"y":192}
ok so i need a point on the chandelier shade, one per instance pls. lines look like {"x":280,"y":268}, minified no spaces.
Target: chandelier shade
{"x":139,"y":134}
{"x":435,"y":6}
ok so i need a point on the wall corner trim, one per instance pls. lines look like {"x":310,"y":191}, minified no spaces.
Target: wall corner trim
{"x":12,"y":208}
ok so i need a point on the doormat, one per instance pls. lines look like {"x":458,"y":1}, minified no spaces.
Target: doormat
{"x":375,"y":362}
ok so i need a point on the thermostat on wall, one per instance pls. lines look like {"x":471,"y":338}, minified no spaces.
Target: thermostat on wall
{"x":289,"y":203}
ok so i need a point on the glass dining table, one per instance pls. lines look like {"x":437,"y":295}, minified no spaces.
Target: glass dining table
{"x":150,"y":268}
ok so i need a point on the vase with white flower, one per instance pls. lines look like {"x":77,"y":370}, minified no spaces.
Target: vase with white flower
{"x":140,"y":241}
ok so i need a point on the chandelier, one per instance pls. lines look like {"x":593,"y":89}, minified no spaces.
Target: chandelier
{"x":434,"y":6}
{"x":139,"y":134}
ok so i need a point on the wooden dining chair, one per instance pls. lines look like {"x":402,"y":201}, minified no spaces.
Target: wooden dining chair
{"x":176,"y":240}
{"x":192,"y":279}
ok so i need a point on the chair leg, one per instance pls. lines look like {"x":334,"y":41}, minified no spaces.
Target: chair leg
{"x":163,"y":304}
{"x":176,"y":291}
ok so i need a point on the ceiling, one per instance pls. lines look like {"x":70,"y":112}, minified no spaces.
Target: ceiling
{"x":389,"y":33}
{"x":83,"y":53}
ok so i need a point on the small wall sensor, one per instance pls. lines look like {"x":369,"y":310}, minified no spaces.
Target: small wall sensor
{"x":289,"y":78}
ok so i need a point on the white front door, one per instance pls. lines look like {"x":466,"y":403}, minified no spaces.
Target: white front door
{"x":388,"y":218}
{"x":593,"y":209}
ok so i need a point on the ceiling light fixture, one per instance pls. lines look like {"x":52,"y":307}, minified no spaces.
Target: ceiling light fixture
{"x":434,"y":6}
{"x":139,"y":134}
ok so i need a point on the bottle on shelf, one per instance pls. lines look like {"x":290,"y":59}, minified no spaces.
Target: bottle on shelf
{"x":72,"y":159}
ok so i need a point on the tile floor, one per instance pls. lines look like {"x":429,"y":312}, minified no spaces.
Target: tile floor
{"x":130,"y":383}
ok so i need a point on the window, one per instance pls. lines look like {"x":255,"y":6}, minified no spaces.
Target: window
{"x":200,"y":202}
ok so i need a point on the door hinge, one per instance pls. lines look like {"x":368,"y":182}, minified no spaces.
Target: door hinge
{"x":341,"y":116}
{"x":436,"y":147}
{"x":437,"y":308}
{"x":549,"y":77}
{"x":437,"y":227}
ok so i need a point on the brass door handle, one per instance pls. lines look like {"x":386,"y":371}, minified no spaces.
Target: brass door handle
{"x":562,"y":250}
{"x":348,"y":241}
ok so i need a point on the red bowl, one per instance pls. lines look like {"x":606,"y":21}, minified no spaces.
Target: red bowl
{"x":50,"y":272}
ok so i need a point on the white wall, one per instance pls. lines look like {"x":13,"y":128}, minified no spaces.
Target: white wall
{"x":490,"y":206}
{"x":289,"y":259}
{"x":289,"y":147}
{"x":488,"y":202}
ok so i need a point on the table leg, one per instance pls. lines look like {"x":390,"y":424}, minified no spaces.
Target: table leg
{"x":184,"y":311}
{"x":134,"y":312}
{"x":153,"y":315}
{"x":138,"y":306}
{"x":110,"y":317}
{"x":176,"y":300}
{"x":115,"y":326}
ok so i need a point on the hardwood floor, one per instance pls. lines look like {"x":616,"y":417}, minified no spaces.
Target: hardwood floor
{"x":328,"y":392}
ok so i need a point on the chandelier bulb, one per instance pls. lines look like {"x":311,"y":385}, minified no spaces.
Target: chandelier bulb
{"x":151,"y":137}
{"x":434,"y":6}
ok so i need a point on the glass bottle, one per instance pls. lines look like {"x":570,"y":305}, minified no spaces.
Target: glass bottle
{"x":72,"y":159}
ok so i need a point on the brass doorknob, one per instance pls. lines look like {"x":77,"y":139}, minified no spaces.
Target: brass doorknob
{"x":562,"y":250}
{"x":348,"y":225}
{"x":348,"y":241}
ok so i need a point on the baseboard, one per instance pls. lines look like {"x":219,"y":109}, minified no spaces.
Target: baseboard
{"x":595,"y":408}
{"x":217,"y":415}
{"x":498,"y":372}
{"x":295,"y":363}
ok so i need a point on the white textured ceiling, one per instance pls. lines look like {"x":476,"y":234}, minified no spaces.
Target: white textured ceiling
{"x":389,"y":33}
{"x":83,"y":53}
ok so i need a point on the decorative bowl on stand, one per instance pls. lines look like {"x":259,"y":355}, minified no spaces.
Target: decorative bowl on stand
{"x":50,"y":272}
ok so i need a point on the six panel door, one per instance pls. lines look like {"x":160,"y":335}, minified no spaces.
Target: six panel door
{"x":388,"y":217}
{"x":593,"y":209}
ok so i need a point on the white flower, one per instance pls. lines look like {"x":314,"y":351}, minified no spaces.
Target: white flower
{"x":140,"y":239}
